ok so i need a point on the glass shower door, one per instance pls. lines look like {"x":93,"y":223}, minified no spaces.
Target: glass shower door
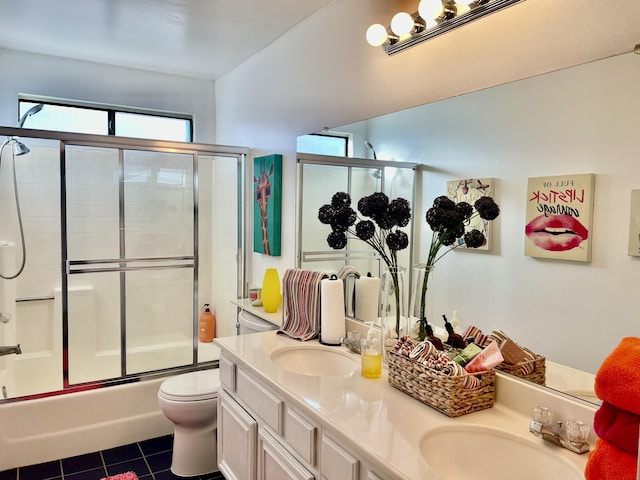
{"x":130,"y":218}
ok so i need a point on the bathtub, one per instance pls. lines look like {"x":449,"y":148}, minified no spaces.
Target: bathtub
{"x":54,"y":427}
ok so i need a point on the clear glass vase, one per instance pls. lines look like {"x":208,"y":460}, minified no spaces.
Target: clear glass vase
{"x":420,"y":306}
{"x":393,"y":311}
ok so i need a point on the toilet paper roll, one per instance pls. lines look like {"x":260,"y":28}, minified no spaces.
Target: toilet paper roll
{"x":332,"y":325}
{"x":367,"y":291}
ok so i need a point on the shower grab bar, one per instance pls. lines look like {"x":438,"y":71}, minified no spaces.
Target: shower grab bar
{"x":34,"y":299}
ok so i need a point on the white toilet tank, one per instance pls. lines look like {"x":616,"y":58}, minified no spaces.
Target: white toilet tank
{"x":249,"y":323}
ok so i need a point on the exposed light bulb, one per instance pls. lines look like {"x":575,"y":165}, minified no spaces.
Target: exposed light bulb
{"x":466,"y":3}
{"x":429,"y":9}
{"x":402,"y":24}
{"x":376,"y":35}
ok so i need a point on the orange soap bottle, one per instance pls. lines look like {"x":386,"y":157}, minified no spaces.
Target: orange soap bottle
{"x":207,"y":325}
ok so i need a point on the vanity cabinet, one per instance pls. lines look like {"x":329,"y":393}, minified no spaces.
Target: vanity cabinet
{"x":237,"y":440}
{"x":261,"y":436}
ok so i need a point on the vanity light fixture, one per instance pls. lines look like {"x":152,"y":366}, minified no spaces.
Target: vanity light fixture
{"x":433,"y":18}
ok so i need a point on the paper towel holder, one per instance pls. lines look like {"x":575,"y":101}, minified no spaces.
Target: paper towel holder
{"x":332,"y":338}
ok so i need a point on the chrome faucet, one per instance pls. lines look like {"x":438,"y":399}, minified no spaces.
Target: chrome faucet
{"x":9,"y":349}
{"x":570,"y":434}
{"x":352,"y":341}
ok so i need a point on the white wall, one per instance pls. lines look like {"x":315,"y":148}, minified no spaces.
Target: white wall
{"x":58,"y":77}
{"x":309,"y":79}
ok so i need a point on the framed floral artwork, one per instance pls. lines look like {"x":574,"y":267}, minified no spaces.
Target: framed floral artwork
{"x":559,"y":217}
{"x":469,"y":190}
{"x":634,"y":224}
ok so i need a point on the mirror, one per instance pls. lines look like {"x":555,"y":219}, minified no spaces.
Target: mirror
{"x":358,"y":177}
{"x":561,"y":123}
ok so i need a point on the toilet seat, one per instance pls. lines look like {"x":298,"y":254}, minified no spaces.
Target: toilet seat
{"x":192,"y":386}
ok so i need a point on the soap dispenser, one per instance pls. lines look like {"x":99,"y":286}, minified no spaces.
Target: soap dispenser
{"x":206,"y":325}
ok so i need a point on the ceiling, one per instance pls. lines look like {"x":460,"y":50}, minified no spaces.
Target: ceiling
{"x":208,"y":38}
{"x":195,"y":38}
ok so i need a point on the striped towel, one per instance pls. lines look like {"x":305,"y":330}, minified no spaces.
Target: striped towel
{"x":301,"y":304}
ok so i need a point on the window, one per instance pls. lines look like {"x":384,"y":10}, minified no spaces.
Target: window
{"x":324,"y":144}
{"x":104,"y":120}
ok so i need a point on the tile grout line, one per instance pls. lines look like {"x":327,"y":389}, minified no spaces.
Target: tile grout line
{"x":104,"y":463}
{"x":144,"y":457}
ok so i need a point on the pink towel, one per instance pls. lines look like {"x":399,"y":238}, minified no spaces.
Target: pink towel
{"x":123,"y":476}
{"x":618,"y":427}
{"x":618,"y":379}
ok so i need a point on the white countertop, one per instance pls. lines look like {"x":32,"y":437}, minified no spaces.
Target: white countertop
{"x":384,"y":424}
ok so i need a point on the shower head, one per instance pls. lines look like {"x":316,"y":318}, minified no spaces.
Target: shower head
{"x":20,"y":148}
{"x":32,"y":111}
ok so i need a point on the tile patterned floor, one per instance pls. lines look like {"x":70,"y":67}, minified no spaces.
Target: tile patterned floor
{"x":150,"y":460}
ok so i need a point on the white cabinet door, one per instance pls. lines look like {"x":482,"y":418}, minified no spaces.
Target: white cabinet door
{"x":336,"y":463}
{"x":275,"y":463}
{"x":237,"y":440}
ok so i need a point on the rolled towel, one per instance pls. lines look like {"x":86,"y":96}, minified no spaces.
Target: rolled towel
{"x":618,"y":378}
{"x":606,"y":462}
{"x":618,"y":427}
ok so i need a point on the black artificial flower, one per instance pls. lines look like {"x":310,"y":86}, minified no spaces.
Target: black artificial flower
{"x":397,"y":240}
{"x":474,"y":238}
{"x":374,"y":204}
{"x":487,"y":208}
{"x":343,"y":218}
{"x":446,"y":238}
{"x":400,"y":212}
{"x":458,"y":231}
{"x":435,"y":218}
{"x":451,"y":219}
{"x":337,"y":240}
{"x":444,"y":203}
{"x":365,"y":230}
{"x":383,"y":220}
{"x":464,"y":209}
{"x":326,"y":213}
{"x":340,"y":199}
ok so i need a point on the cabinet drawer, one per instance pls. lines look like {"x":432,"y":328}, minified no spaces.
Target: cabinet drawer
{"x":337,"y":463}
{"x":301,"y":435}
{"x":227,"y":373}
{"x":264,"y":403}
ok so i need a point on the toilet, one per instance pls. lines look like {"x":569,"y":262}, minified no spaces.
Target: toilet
{"x":190,"y":400}
{"x":250,"y":323}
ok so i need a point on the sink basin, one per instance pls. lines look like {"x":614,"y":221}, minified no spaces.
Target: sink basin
{"x":314,"y":361}
{"x":477,"y":452}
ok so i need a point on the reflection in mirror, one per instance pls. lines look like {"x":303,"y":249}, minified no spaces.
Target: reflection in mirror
{"x":358,"y":178}
{"x":565,"y":122}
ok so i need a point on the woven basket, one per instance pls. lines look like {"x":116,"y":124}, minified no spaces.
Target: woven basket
{"x":537,"y":376}
{"x":442,"y":392}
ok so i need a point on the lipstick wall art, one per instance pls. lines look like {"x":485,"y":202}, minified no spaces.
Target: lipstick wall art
{"x":559,"y":217}
{"x":634,"y":225}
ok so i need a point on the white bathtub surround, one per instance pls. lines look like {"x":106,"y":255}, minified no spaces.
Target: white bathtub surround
{"x":51,"y":428}
{"x":379,"y":426}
